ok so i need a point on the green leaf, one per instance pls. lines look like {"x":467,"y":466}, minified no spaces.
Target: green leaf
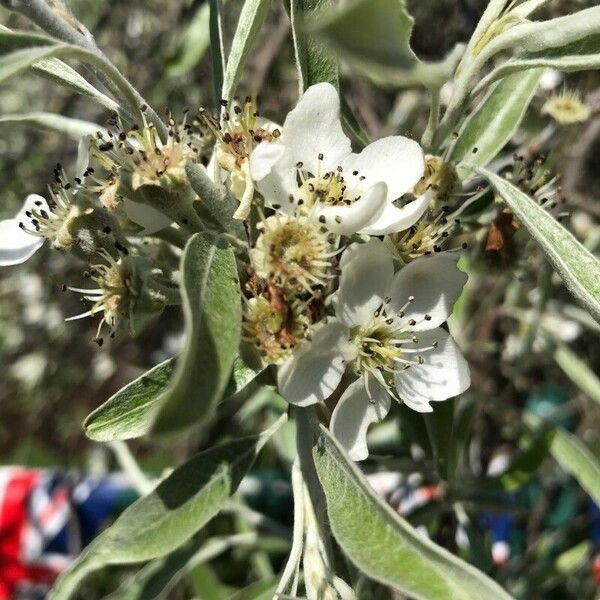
{"x":217,"y":46}
{"x":252,"y":17}
{"x":131,"y":411}
{"x":74,"y":128}
{"x":160,"y":576}
{"x":440,"y":425}
{"x":213,"y":315}
{"x":57,"y":71}
{"x":579,"y":372}
{"x":489,"y":128}
{"x":373,"y":37}
{"x":541,"y":36}
{"x":574,"y":456}
{"x":192,"y":44}
{"x":217,"y":200}
{"x":20,"y":51}
{"x":260,"y":590}
{"x":579,"y":269}
{"x":162,"y":521}
{"x":385,"y":546}
{"x":314,"y":61}
{"x":580,"y":56}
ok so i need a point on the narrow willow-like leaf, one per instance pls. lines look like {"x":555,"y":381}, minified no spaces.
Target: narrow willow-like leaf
{"x":252,"y":17}
{"x":579,"y":372}
{"x":216,"y":199}
{"x":576,"y":458}
{"x":166,"y":518}
{"x":579,"y":269}
{"x":192,"y":44}
{"x":212,"y":310}
{"x":314,"y":61}
{"x":20,"y":51}
{"x":582,"y":55}
{"x":74,"y":128}
{"x":373,"y":37}
{"x":492,"y":125}
{"x":57,"y":71}
{"x":385,"y":546}
{"x":159,"y":576}
{"x":130,"y":412}
{"x":540,"y":36}
{"x":217,"y":46}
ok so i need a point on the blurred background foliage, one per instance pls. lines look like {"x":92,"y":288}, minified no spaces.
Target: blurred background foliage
{"x":529,"y":346}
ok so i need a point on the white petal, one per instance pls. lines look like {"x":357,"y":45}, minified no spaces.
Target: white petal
{"x":145,"y":216}
{"x":393,"y":219}
{"x":354,"y":413}
{"x":315,"y":370}
{"x":397,"y":161}
{"x":314,"y":128}
{"x":272,"y":169}
{"x":32,"y":202}
{"x":264,"y":157}
{"x":347,"y":220}
{"x":435,"y":282}
{"x":16,"y":246}
{"x":367,"y":273}
{"x":443,"y":374}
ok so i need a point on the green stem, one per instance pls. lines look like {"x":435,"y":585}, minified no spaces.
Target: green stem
{"x":434,"y":117}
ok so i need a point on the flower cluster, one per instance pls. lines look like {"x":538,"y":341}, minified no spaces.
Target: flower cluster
{"x":347,"y":282}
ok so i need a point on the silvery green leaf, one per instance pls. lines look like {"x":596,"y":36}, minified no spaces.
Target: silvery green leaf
{"x":57,"y":71}
{"x":314,"y":61}
{"x":579,"y":269}
{"x":156,"y":579}
{"x":540,"y":36}
{"x":130,"y":412}
{"x":373,"y":37}
{"x":382,"y":544}
{"x":212,"y":310}
{"x":582,"y":55}
{"x":578,"y":371}
{"x":217,"y":46}
{"x":20,"y":51}
{"x":489,"y":128}
{"x":216,"y":199}
{"x":74,"y":128}
{"x":252,"y":17}
{"x":169,"y":516}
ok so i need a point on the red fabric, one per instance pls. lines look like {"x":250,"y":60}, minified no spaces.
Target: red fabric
{"x":13,"y":528}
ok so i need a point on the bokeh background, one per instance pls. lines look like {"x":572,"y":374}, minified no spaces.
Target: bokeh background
{"x":514,"y":320}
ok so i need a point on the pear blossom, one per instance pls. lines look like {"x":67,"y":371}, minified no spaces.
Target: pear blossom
{"x":311,"y":170}
{"x":238,"y":131}
{"x":17,"y":244}
{"x":386,"y":333}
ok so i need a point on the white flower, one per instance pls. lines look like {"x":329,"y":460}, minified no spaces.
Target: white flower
{"x":387,"y":331}
{"x":148,"y":218}
{"x":17,"y":243}
{"x":238,"y":132}
{"x":312,"y":170}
